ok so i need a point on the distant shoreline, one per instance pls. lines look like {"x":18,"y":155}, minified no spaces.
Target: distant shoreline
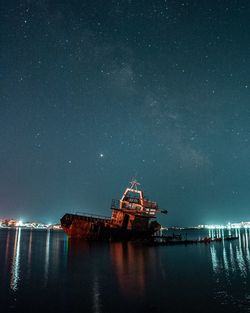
{"x":30,"y":228}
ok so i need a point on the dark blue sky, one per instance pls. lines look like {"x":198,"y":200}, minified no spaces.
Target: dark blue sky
{"x":94,"y":93}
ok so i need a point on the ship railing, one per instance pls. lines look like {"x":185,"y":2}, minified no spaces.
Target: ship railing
{"x":148,"y":211}
{"x":115,"y":204}
{"x":88,"y":214}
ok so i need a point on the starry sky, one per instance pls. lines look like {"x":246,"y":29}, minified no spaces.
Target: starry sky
{"x":94,"y":93}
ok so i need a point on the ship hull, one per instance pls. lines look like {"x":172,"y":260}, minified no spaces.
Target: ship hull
{"x":92,"y":228}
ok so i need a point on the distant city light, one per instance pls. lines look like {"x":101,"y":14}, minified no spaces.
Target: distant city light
{"x":227,"y":226}
{"x":19,"y":223}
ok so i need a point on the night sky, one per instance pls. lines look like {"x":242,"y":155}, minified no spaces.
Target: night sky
{"x":94,"y":93}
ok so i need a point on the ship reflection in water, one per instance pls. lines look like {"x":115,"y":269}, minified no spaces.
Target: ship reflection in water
{"x":130,"y":264}
{"x":47,"y":271}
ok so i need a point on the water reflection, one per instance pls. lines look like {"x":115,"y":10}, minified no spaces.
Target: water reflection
{"x":91,"y":273}
{"x":7,"y":252}
{"x":129,"y":267}
{"x":214,"y":259}
{"x":247,"y":254}
{"x":231,"y":266}
{"x":131,"y":264}
{"x":232,"y":259}
{"x":16,"y":261}
{"x":24,"y":250}
{"x":234,"y":256}
{"x":29,"y":254}
{"x":47,"y":251}
{"x":96,"y":295}
{"x":29,"y":249}
{"x":7,"y":248}
{"x":225,"y":260}
{"x":66,"y":246}
{"x":239,"y":256}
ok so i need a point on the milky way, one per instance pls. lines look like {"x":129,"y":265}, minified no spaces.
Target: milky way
{"x":94,"y":93}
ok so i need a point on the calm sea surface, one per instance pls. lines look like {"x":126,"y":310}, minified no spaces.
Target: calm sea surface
{"x":43,"y":271}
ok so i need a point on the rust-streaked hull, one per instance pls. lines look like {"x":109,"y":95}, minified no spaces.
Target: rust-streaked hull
{"x":93,"y":228}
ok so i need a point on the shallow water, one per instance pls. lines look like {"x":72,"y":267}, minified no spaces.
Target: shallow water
{"x":43,"y":271}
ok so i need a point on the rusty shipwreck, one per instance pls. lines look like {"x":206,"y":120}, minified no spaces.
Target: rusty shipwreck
{"x":133,"y":217}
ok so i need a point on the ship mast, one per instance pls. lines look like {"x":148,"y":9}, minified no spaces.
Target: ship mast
{"x":134,"y":183}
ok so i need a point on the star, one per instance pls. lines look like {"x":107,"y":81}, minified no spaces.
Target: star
{"x":101,"y":155}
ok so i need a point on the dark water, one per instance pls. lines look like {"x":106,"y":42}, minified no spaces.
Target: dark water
{"x":42,"y":271}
